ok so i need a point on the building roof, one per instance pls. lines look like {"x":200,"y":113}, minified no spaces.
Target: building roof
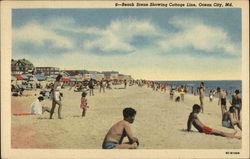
{"x":110,"y":72}
{"x":24,"y":62}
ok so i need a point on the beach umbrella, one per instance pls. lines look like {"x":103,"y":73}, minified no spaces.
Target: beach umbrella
{"x":19,"y":77}
{"x":65,"y":79}
{"x":24,"y":77}
{"x":50,"y":79}
{"x":72,"y":79}
{"x":40,"y":78}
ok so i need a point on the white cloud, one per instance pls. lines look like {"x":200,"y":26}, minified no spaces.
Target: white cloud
{"x":37,"y":34}
{"x":194,"y":33}
{"x":118,"y":35}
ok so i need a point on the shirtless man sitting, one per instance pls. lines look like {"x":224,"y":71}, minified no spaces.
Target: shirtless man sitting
{"x":229,"y":120}
{"x":117,"y":132}
{"x":193,"y":119}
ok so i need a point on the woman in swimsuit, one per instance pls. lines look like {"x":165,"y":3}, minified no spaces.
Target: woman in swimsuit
{"x":182,"y":92}
{"x":56,"y":97}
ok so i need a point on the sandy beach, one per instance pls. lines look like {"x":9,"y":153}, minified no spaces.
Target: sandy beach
{"x":159,"y":123}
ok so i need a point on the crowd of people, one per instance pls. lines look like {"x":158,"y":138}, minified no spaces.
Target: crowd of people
{"x":114,"y":137}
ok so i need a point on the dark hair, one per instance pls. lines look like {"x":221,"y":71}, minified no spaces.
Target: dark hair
{"x":231,"y":109}
{"x":40,"y":98}
{"x":218,"y":89}
{"x":196,"y":107}
{"x":128,"y":112}
{"x":237,"y":91}
{"x":58,"y":77}
{"x":84,"y":94}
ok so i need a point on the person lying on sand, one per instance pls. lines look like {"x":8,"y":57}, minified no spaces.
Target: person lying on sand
{"x":115,"y":135}
{"x":193,"y":119}
{"x":229,"y":121}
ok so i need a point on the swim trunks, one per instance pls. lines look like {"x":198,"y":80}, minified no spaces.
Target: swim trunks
{"x":226,"y":124}
{"x":223,"y":101}
{"x":207,"y":130}
{"x":84,"y":106}
{"x":238,"y":106}
{"x":109,"y":145}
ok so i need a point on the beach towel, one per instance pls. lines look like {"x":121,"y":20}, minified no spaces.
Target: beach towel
{"x":23,"y":114}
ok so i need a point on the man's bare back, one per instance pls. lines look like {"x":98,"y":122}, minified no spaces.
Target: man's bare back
{"x":118,"y":131}
{"x":121,"y":129}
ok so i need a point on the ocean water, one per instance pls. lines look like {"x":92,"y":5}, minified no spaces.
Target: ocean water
{"x":228,"y":85}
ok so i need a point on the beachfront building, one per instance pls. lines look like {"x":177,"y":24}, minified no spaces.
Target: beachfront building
{"x":110,"y":75}
{"x":70,"y":72}
{"x":99,"y":76}
{"x":94,"y":75}
{"x":128,"y":77}
{"x":21,"y":66}
{"x":120,"y":77}
{"x":48,"y":71}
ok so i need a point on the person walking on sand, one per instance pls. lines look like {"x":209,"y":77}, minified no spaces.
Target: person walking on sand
{"x":182,"y":92}
{"x":84,"y":104}
{"x":125,"y":84}
{"x":91,"y":87}
{"x":56,"y":97}
{"x":201,"y":96}
{"x":102,"y":85}
{"x":194,"y":120}
{"x":222,"y":100}
{"x":229,"y":120}
{"x":115,"y":135}
{"x":237,"y":102}
{"x":211,"y":96}
{"x":171,"y":94}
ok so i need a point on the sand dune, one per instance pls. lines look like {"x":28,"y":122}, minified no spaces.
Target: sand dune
{"x":159,"y":124}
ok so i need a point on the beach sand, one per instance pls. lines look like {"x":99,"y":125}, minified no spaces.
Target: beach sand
{"x":159,"y":123}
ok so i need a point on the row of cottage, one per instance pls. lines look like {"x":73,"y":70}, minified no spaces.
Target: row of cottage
{"x":23,"y":66}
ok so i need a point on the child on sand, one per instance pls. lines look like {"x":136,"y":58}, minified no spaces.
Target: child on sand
{"x":84,"y":104}
{"x":193,"y":119}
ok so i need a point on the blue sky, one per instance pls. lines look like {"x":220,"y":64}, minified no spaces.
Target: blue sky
{"x":157,"y":44}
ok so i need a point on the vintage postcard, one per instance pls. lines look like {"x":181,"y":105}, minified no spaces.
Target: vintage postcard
{"x":125,"y":79}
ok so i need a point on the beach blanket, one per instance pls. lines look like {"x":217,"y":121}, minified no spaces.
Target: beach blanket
{"x":23,"y":114}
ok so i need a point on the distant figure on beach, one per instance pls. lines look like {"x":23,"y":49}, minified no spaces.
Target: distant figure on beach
{"x":237,"y":102}
{"x":182,"y":92}
{"x":115,"y":135}
{"x":194,"y":120}
{"x":222,"y":100}
{"x":37,"y":108}
{"x":56,"y":97}
{"x":171,"y":94}
{"x":178,"y":99}
{"x":229,"y":119}
{"x":102,"y":85}
{"x":125,"y":84}
{"x":91,"y":87}
{"x":201,"y":96}
{"x":84,"y":104}
{"x":211,"y":96}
